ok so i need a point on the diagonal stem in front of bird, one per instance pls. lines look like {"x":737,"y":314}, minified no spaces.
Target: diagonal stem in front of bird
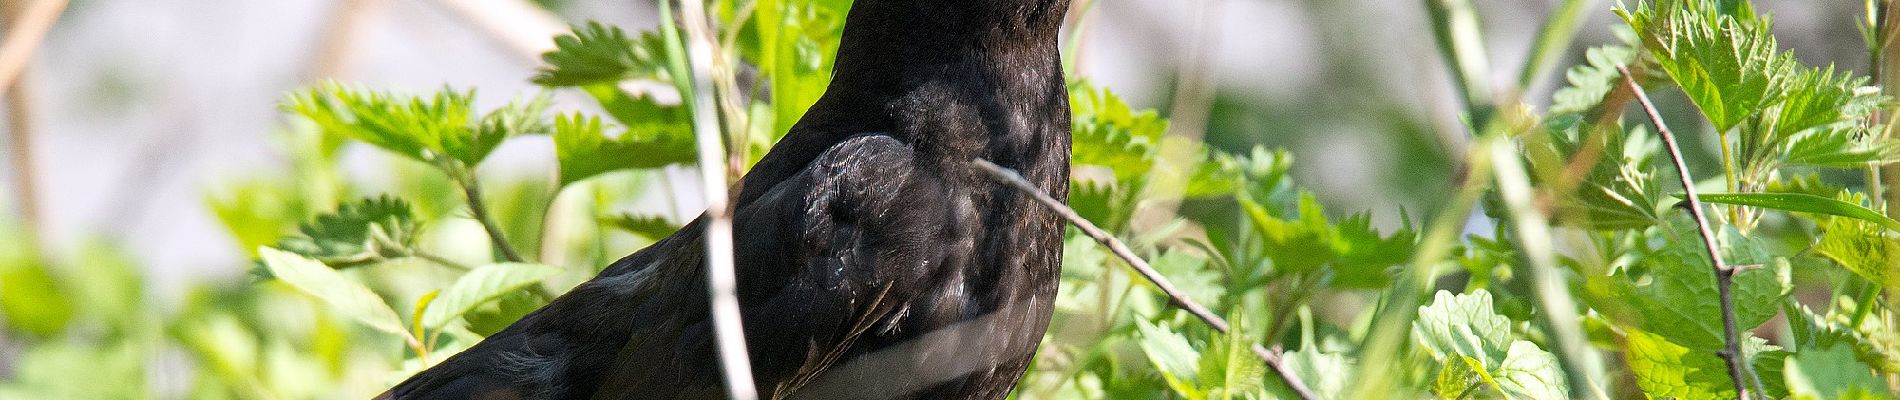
{"x":1016,"y":181}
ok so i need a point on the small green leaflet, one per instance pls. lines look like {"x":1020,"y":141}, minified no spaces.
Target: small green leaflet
{"x":434,"y":130}
{"x":584,"y":151}
{"x":597,"y":53}
{"x":1170,"y":353}
{"x":345,"y":296}
{"x":364,"y":232}
{"x":482,"y":285}
{"x":1801,"y":202}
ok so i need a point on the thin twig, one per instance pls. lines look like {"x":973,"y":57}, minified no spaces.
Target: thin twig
{"x":722,"y":282}
{"x":26,"y":30}
{"x":480,"y":210}
{"x":1115,"y":246}
{"x":1738,"y":369}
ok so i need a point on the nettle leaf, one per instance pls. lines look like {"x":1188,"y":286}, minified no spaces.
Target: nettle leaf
{"x":596,"y":53}
{"x":1465,"y":329}
{"x":1859,"y":246}
{"x":1681,"y":302}
{"x":347,"y":297}
{"x":1456,"y":378}
{"x":1832,"y":373}
{"x":1108,"y":133}
{"x":1592,"y":80}
{"x":1359,"y":254}
{"x":1328,"y":375}
{"x":1463,"y":325}
{"x":1668,"y":370}
{"x":1725,"y":62}
{"x":482,"y":285}
{"x":648,"y":226}
{"x":1171,"y":355}
{"x":1799,"y":202}
{"x":438,"y":129}
{"x":1620,"y":190}
{"x":1189,"y":272}
{"x":584,"y":151}
{"x":367,"y":231}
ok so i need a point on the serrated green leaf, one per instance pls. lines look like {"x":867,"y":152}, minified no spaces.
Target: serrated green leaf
{"x":1807,"y":203}
{"x":370,"y":230}
{"x":1665,"y":370}
{"x":1328,"y":375}
{"x":1463,"y":325}
{"x":1832,"y":372}
{"x":584,"y":151}
{"x":1171,"y":354}
{"x":481,"y":285}
{"x":1108,"y":133}
{"x":1680,"y":300}
{"x":1593,"y":79}
{"x":1455,"y":379}
{"x":439,"y":130}
{"x":1726,"y":62}
{"x":597,"y":53}
{"x":1860,"y":247}
{"x":648,"y":226}
{"x":345,"y":296}
{"x":1529,"y":372}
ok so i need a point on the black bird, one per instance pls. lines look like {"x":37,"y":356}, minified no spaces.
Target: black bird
{"x":874,"y":261}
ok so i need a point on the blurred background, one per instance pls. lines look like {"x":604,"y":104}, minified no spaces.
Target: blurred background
{"x":131,"y":115}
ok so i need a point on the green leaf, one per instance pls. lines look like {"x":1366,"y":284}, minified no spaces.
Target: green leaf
{"x":1668,"y":370}
{"x":1456,"y":378}
{"x":440,"y":130}
{"x":1108,"y":133}
{"x":1833,"y":372}
{"x":596,"y":53}
{"x":482,"y":285}
{"x":490,"y":318}
{"x":1328,"y":375}
{"x":1860,"y":247}
{"x":31,"y":299}
{"x":1680,"y":299}
{"x":584,"y":151}
{"x":345,"y":296}
{"x":1463,"y":325}
{"x":1619,"y":191}
{"x":652,"y":227}
{"x":1530,"y":372}
{"x":1592,"y":80}
{"x":1807,"y":203}
{"x":1171,"y":354}
{"x":368,"y":231}
{"x":1726,"y":62}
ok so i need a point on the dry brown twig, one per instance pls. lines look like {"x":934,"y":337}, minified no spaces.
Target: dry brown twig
{"x":1738,"y":369}
{"x":1272,"y":358}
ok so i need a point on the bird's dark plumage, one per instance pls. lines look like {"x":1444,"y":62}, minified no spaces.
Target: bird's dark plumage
{"x":874,"y":261}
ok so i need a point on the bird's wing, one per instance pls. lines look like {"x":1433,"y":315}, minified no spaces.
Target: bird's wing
{"x":840,"y":248}
{"x":823,"y":257}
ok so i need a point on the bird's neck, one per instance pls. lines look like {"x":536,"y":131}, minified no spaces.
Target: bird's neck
{"x":958,"y":78}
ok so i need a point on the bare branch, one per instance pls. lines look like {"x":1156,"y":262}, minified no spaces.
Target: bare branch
{"x":721,"y":280}
{"x":1738,"y":369}
{"x":26,"y":30}
{"x":1140,"y":266}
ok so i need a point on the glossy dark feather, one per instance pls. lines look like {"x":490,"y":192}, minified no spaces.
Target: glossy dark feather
{"x":873,"y":260}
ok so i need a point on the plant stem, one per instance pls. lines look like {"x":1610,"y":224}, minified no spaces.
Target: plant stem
{"x":1461,"y":44}
{"x":473,"y":190}
{"x":1738,"y":369}
{"x":1552,"y":40}
{"x":1582,"y":365}
{"x":722,"y":282}
{"x":1380,"y":362}
{"x":1015,"y":180}
{"x":27,"y":24}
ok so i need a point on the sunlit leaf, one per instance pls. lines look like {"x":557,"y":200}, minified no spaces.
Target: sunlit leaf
{"x":347,"y":297}
{"x":367,"y":231}
{"x":1807,"y":203}
{"x":584,"y":150}
{"x":481,"y":285}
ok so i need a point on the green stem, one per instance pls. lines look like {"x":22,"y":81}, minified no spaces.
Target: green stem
{"x":1552,"y":40}
{"x":1381,"y":363}
{"x":1455,"y":28}
{"x":473,"y":190}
